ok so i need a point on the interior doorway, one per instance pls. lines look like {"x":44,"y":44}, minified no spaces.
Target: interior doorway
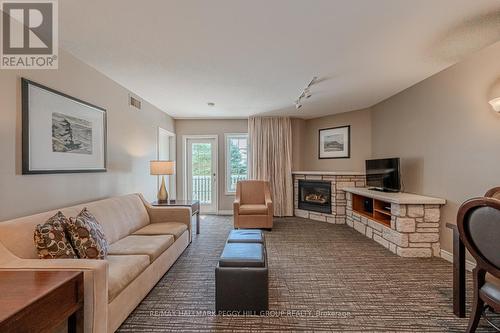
{"x":166,"y":152}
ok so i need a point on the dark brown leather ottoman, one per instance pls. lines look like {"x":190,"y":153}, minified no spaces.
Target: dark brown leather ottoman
{"x":241,"y":280}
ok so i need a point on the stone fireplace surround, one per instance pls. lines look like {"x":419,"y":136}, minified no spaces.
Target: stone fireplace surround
{"x":339,"y":180}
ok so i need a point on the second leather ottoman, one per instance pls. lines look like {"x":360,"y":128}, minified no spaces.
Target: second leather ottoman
{"x":246,"y":236}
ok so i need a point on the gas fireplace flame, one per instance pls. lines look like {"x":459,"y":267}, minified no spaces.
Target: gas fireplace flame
{"x":316,"y":198}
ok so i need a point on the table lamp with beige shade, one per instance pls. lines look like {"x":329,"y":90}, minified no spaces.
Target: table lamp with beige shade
{"x":162,"y":168}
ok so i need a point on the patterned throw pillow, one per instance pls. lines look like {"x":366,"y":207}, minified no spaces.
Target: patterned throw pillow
{"x":87,"y":237}
{"x":51,"y":241}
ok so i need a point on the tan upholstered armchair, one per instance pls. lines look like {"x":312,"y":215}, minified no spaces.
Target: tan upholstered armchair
{"x":253,"y":207}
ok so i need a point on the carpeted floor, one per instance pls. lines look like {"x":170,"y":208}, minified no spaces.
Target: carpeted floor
{"x":323,"y":277}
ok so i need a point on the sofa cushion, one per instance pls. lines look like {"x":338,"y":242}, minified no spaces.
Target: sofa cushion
{"x":51,"y":241}
{"x":253,"y":209}
{"x":120,"y":216}
{"x":152,"y":245}
{"x":87,"y":237}
{"x":122,"y":270}
{"x":166,"y":228}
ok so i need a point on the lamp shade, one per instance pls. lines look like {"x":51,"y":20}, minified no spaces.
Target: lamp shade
{"x":495,"y":103}
{"x":162,"y":167}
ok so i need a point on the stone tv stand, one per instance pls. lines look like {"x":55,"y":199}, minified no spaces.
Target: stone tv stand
{"x":406,"y":224}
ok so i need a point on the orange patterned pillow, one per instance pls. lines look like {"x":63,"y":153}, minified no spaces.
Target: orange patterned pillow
{"x":87,"y":237}
{"x":51,"y":241}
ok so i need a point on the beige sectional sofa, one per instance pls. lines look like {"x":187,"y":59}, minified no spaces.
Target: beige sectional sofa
{"x":144,"y":243}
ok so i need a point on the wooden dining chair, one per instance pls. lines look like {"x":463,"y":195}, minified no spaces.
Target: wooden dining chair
{"x":493,"y":193}
{"x":478,"y":224}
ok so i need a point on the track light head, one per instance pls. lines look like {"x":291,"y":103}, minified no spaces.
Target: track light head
{"x":298,"y":105}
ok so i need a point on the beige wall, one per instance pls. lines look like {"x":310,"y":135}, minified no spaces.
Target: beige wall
{"x":306,"y":144}
{"x":131,"y":142}
{"x":446,"y":133}
{"x":298,"y":127}
{"x":208,"y":127}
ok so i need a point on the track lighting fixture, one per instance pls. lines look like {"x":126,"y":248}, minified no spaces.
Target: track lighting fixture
{"x":306,"y":93}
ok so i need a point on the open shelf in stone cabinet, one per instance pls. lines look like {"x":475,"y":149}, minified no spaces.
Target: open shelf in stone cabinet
{"x":381,"y":210}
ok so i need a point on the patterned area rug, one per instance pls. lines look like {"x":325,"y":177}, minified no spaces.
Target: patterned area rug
{"x":323,"y":277}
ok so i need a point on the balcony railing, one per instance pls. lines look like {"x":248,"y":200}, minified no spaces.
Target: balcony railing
{"x":202,"y":187}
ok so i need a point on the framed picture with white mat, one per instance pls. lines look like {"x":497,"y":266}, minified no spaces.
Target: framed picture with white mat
{"x":334,"y":142}
{"x":61,"y":134}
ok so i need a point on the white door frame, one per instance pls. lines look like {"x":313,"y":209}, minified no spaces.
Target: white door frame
{"x":215,"y":137}
{"x":172,"y":181}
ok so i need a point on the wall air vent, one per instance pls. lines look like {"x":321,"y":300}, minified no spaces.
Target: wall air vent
{"x":134,"y":101}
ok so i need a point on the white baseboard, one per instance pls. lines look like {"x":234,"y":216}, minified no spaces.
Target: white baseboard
{"x":469,"y":265}
{"x":225,"y":212}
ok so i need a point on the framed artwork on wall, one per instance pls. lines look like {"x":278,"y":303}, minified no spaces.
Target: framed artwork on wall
{"x":61,"y":134}
{"x":334,"y":142}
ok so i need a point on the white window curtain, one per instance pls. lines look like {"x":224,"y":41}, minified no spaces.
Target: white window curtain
{"x":271,"y":158}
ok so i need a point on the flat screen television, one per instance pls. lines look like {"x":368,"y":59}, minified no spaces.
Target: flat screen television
{"x":383,"y":174}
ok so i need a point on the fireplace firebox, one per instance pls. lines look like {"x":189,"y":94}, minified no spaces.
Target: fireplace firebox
{"x":315,"y":195}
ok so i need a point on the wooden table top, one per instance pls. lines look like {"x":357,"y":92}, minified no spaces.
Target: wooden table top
{"x":183,"y":203}
{"x":19,"y":289}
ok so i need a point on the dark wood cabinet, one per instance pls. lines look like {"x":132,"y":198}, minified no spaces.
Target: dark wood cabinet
{"x":40,"y":301}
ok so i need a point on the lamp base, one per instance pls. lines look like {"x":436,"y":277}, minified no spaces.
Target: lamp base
{"x":162,"y":193}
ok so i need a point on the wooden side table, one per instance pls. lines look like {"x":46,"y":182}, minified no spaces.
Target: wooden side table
{"x":193,"y":204}
{"x":40,"y":301}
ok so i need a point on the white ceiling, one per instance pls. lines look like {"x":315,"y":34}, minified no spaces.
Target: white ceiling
{"x":255,"y":56}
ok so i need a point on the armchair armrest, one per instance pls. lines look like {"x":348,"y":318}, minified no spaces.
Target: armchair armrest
{"x":95,"y":280}
{"x":237,"y":200}
{"x":236,"y":206}
{"x":270,"y":208}
{"x":268,"y":200}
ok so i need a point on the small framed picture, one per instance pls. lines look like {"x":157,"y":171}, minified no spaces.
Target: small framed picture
{"x":61,"y":134}
{"x":334,"y":142}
